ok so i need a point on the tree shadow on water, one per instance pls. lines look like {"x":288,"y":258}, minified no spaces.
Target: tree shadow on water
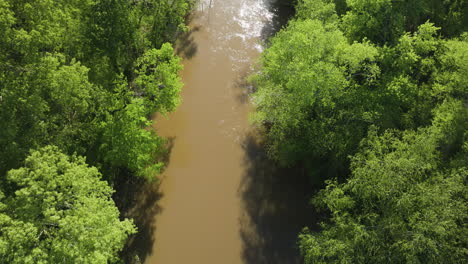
{"x":276,"y":208}
{"x":138,"y":199}
{"x":165,"y":155}
{"x":243,"y":88}
{"x":185,"y":45}
{"x":282,"y":11}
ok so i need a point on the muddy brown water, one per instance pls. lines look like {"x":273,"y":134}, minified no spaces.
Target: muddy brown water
{"x":220,"y":200}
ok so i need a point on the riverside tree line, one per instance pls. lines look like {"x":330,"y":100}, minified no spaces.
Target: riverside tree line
{"x":79,"y":80}
{"x":371,"y":98}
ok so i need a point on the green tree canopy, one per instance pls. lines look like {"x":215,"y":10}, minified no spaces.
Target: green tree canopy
{"x":157,"y":77}
{"x":406,"y":201}
{"x":60,"y":212}
{"x":48,"y":102}
{"x":318,"y":91}
{"x":68,"y":70}
{"x":385,"y":21}
{"x":126,"y":144}
{"x":305,"y":92}
{"x":374,"y":92}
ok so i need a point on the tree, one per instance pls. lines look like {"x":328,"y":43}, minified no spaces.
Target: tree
{"x":323,"y":10}
{"x":84,"y":76}
{"x":129,"y":141}
{"x":61,"y":212}
{"x":158,"y":80}
{"x":67,"y":70}
{"x":406,"y":201}
{"x":381,"y":69}
{"x":385,"y":21}
{"x":307,"y":97}
{"x":407,"y":79}
{"x":449,"y":79}
{"x":164,"y":18}
{"x":317,"y":94}
{"x":47,"y":102}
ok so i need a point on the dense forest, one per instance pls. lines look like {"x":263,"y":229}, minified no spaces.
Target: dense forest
{"x":79,"y":80}
{"x":370,"y":97}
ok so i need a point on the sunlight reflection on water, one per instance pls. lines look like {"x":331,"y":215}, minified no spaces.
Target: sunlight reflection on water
{"x":237,"y":26}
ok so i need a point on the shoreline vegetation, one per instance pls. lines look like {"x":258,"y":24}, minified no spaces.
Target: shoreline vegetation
{"x":79,"y":81}
{"x":368,"y":98}
{"x":371,"y":98}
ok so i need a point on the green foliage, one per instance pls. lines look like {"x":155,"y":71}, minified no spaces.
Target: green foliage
{"x":403,"y":203}
{"x":50,"y":101}
{"x":158,"y":79}
{"x":68,"y":68}
{"x":418,"y":74}
{"x":318,"y":92}
{"x":385,"y":21}
{"x":407,"y":79}
{"x":128,"y":140}
{"x":165,"y":17}
{"x":84,"y":76}
{"x":127,"y":145}
{"x":450,"y":79}
{"x":61,"y":212}
{"x":390,"y":77}
{"x":320,"y":10}
{"x":306,"y":93}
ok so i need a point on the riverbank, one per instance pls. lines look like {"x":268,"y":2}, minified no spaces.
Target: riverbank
{"x":220,"y":200}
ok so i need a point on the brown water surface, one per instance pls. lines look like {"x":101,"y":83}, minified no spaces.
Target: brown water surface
{"x":220,"y":200}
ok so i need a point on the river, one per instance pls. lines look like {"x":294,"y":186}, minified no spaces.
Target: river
{"x":220,"y":200}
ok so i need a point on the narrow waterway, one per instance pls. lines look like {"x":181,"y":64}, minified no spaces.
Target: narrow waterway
{"x":220,"y":200}
{"x":202,"y":208}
